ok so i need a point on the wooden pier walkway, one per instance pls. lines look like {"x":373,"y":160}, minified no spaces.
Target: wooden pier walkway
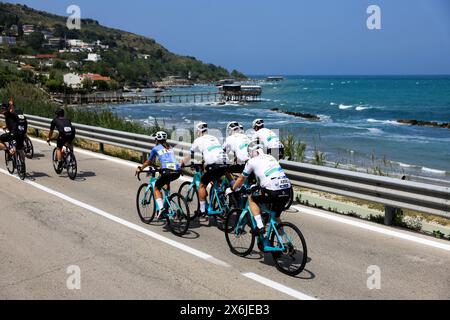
{"x":135,"y":98}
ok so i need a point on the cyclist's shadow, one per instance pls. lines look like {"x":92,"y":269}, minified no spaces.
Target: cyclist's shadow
{"x":83,"y":175}
{"x":190,"y":234}
{"x":268,"y":260}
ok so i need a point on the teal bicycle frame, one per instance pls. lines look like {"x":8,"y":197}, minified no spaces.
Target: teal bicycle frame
{"x":166,"y":194}
{"x":214,"y":194}
{"x":272,"y":227}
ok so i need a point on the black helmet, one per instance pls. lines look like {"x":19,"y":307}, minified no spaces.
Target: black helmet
{"x":59,"y":112}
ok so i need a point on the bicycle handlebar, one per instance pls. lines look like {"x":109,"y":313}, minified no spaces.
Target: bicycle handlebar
{"x":151,"y":170}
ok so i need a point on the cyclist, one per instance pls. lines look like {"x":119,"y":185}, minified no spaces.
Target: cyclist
{"x":237,"y":144}
{"x":275,"y":186}
{"x":15,"y":128}
{"x":169,"y":165}
{"x":268,"y":139}
{"x":215,"y":160}
{"x":66,"y":134}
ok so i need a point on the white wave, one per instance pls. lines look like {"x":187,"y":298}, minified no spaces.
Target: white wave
{"x":383,"y":121}
{"x":442,"y":172}
{"x":344,"y":107}
{"x":404,"y":165}
{"x":375,"y":130}
{"x":361,"y":108}
{"x":332,"y":103}
{"x":325,"y":118}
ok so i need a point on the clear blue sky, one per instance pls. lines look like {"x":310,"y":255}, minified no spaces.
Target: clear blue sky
{"x":286,"y":37}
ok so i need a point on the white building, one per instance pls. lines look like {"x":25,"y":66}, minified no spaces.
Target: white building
{"x":28,"y":29}
{"x":73,"y":80}
{"x":94,"y":57}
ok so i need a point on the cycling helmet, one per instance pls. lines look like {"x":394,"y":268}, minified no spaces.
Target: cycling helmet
{"x":202,"y":127}
{"x":254,"y":149}
{"x":161,"y":136}
{"x":258,"y":124}
{"x":4,"y":107}
{"x":232,"y":127}
{"x":59,"y":112}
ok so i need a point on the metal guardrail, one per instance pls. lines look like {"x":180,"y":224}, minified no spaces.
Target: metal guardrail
{"x":392,"y":193}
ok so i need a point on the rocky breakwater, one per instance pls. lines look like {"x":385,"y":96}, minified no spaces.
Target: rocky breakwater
{"x":425,"y":123}
{"x":297,"y":114}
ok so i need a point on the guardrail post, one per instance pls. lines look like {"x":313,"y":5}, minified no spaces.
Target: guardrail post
{"x":36,"y":132}
{"x":101,"y":147}
{"x":389,"y":215}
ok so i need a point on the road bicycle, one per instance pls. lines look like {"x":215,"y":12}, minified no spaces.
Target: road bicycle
{"x":176,"y":208}
{"x":68,"y":162}
{"x":16,"y":161}
{"x":217,"y":205}
{"x":284,"y":241}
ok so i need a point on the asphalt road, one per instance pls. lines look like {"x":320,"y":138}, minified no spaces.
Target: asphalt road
{"x":50,"y":223}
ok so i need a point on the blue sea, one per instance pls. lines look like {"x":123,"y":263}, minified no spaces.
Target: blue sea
{"x":358,"y":124}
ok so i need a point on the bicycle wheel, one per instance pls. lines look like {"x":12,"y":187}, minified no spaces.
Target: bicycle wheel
{"x":293,"y":260}
{"x":55,"y":162}
{"x":178,"y":215}
{"x":10,"y":163}
{"x":21,"y":166}
{"x":72,"y":167}
{"x":29,"y":148}
{"x":191,"y":196}
{"x":145,"y":204}
{"x":239,"y":237}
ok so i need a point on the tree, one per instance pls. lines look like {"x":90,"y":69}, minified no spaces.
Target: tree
{"x":101,"y":85}
{"x":35,"y":40}
{"x":87,"y":84}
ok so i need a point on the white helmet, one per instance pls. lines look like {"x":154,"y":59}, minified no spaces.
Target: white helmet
{"x":202,"y":127}
{"x":161,"y":136}
{"x":254,"y":149}
{"x":232,"y":127}
{"x":258,"y":124}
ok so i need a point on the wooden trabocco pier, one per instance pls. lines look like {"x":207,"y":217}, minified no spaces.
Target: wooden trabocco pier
{"x":225,"y":93}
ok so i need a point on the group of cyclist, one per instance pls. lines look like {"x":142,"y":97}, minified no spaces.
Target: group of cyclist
{"x":16,"y":127}
{"x":255,"y":156}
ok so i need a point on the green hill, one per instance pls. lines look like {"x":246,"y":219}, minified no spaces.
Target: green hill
{"x":122,"y":61}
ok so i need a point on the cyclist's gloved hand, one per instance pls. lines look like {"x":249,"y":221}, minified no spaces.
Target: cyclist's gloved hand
{"x":228,"y":192}
{"x":139,"y":169}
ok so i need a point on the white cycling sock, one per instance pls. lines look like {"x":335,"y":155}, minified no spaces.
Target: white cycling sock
{"x":259,"y":222}
{"x":202,"y":206}
{"x":160,"y":204}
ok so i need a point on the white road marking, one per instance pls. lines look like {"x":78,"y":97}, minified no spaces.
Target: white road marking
{"x":277,"y":286}
{"x":310,"y":211}
{"x":370,"y":227}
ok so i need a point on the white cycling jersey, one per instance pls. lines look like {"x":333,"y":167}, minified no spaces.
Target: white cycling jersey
{"x":209,"y":146}
{"x":268,"y":171}
{"x":237,"y":144}
{"x":267,"y":138}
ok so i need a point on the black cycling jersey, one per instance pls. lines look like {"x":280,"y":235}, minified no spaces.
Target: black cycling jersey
{"x":64,"y":127}
{"x":22,"y":122}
